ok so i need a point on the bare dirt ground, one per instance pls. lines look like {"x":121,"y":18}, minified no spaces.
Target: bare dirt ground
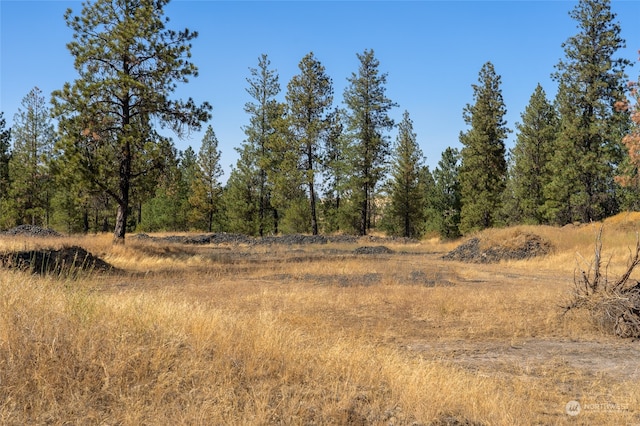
{"x":615,"y":360}
{"x":603,"y":357}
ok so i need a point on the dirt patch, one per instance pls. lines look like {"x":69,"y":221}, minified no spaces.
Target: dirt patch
{"x":518,"y":246}
{"x":66,"y":261}
{"x":534,"y":357}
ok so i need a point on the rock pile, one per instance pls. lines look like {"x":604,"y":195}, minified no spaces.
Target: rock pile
{"x":373,"y":250}
{"x":31,"y":231}
{"x":229,"y":238}
{"x":520,"y":246}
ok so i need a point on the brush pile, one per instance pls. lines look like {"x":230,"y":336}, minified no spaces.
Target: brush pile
{"x":614,"y":305}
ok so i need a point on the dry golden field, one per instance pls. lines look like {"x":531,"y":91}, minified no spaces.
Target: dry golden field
{"x":314,"y":335}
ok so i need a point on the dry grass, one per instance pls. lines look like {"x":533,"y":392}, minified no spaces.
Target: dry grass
{"x":304,"y":335}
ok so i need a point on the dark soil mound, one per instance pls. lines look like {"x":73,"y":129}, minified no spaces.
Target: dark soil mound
{"x":67,"y":260}
{"x":518,"y":247}
{"x":31,"y":231}
{"x":373,"y":250}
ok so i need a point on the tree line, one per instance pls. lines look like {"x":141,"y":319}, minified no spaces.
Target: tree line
{"x":307,"y":165}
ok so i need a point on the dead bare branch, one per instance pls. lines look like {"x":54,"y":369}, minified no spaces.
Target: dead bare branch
{"x":614,"y":306}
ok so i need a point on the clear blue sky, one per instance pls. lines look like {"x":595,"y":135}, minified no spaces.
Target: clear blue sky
{"x":431,"y":50}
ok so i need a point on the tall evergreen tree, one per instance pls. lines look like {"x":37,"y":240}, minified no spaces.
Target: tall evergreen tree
{"x":368,"y":117}
{"x":188,"y":174}
{"x":34,"y":136}
{"x":242,"y":194}
{"x":447,"y":199}
{"x":407,"y":194}
{"x":160,"y":198}
{"x":288,"y":198}
{"x":336,"y":174}
{"x":263,"y":111}
{"x":629,"y":174}
{"x":207,"y":188}
{"x":164,"y":174}
{"x":309,"y":96}
{"x":5,"y":156}
{"x":592,"y":81}
{"x":562,"y":191}
{"x":129,"y":64}
{"x":483,"y":170}
{"x":531,"y":154}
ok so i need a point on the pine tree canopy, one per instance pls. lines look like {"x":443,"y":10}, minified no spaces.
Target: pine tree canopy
{"x":483,"y":169}
{"x":128,"y":64}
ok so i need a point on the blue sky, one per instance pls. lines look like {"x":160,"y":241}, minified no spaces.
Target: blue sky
{"x":431,"y":50}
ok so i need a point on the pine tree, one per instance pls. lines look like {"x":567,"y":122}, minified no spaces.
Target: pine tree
{"x":309,"y":96}
{"x":264,"y":110}
{"x":34,"y":136}
{"x":5,"y":157}
{"x":629,"y":174}
{"x":288,"y":196}
{"x":242,"y":195}
{"x":591,"y":80}
{"x":530,"y":156}
{"x":188,"y":170}
{"x":447,"y":199}
{"x":336,"y":174}
{"x":407,"y":194}
{"x":129,"y":64}
{"x":206,"y":187}
{"x":163,"y":174}
{"x":483,"y":170}
{"x":161,"y":198}
{"x":368,"y":108}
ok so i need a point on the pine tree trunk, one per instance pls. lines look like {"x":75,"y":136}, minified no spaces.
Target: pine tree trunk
{"x":276,"y":220}
{"x":123,"y":200}
{"x":121,"y":224}
{"x":85,"y":222}
{"x":314,"y":218}
{"x":364,"y":213}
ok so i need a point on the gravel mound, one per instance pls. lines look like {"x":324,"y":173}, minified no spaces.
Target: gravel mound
{"x":519,"y":247}
{"x":344,"y":239}
{"x":31,"y":231}
{"x":228,"y":238}
{"x":293,"y":239}
{"x":219,"y":238}
{"x":373,"y":250}
{"x":67,"y":260}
